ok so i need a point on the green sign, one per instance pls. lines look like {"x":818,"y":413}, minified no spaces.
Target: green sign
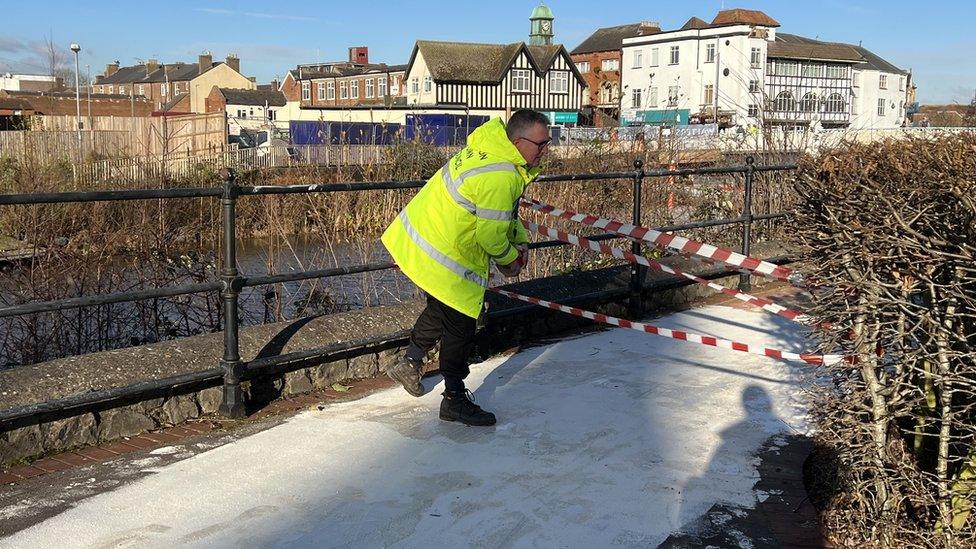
{"x":566,"y":118}
{"x":563,"y":117}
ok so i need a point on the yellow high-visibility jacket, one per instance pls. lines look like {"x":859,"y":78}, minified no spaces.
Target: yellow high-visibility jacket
{"x":465,"y":215}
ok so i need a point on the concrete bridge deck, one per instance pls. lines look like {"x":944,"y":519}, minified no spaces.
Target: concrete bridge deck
{"x":613,"y":438}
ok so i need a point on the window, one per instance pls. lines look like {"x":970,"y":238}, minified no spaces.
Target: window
{"x":638,"y":58}
{"x":583,"y":66}
{"x":241,"y":113}
{"x":883,"y":81}
{"x":755,"y":58}
{"x":163,"y":90}
{"x":142,"y":89}
{"x":709,"y":53}
{"x":370,"y":88}
{"x":836,"y":71}
{"x":321,"y":88}
{"x":330,"y":90}
{"x":672,"y":96}
{"x":429,"y":83}
{"x":655,"y":57}
{"x":343,"y":90}
{"x":753,"y":111}
{"x":251,"y":114}
{"x":709,"y":96}
{"x":786,"y":68}
{"x":853,"y":105}
{"x":881,"y":107}
{"x":674,"y":55}
{"x":901,"y":83}
{"x":306,"y":91}
{"x":414,"y":85}
{"x":857,"y":79}
{"x":809,"y":102}
{"x":836,"y":104}
{"x":753,"y":86}
{"x":608,"y":93}
{"x":785,"y":102}
{"x":559,"y":82}
{"x":121,"y":89}
{"x":395,"y":86}
{"x":354,"y":89}
{"x":635,"y":99}
{"x":111,"y":90}
{"x":520,"y":80}
{"x":382,"y":87}
{"x":610,"y":65}
{"x":272,"y":114}
{"x":812,"y":70}
{"x":652,"y":98}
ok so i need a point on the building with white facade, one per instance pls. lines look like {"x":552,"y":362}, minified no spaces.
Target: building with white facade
{"x":740,"y":67}
{"x":29,"y":82}
{"x":495,"y":79}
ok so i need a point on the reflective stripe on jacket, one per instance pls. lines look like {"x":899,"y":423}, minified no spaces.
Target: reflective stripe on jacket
{"x":465,"y":215}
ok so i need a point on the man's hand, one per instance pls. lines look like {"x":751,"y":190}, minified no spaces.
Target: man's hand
{"x":511,"y":270}
{"x":523,"y":257}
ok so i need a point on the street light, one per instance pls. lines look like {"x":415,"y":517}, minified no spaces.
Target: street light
{"x":76,"y":48}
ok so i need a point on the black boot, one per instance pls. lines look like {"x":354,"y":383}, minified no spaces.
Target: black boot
{"x":458,"y":406}
{"x":406,"y":372}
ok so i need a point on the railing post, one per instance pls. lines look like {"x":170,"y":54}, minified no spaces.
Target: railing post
{"x":745,"y":284}
{"x":637,"y":271}
{"x":232,"y":404}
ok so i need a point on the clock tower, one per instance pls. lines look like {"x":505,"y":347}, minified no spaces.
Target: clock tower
{"x":540,"y":30}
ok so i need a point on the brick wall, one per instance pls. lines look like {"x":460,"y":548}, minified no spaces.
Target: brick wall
{"x":596,"y":76}
{"x":215,"y":101}
{"x":350,"y":101}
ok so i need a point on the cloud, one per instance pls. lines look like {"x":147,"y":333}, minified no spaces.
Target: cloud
{"x":259,"y":15}
{"x":9,"y":44}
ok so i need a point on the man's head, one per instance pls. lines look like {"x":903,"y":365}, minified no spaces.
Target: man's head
{"x":528,"y":130}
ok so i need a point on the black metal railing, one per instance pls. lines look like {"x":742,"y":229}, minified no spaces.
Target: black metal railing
{"x":232,"y":369}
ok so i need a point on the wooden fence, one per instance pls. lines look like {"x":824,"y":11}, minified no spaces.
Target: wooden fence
{"x":54,"y":138}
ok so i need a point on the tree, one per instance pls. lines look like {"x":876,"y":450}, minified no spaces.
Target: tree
{"x":56,"y":61}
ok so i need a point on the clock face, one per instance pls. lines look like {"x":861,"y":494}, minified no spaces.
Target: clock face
{"x":545,"y":25}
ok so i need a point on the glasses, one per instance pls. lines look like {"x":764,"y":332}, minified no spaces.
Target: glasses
{"x":540,"y":144}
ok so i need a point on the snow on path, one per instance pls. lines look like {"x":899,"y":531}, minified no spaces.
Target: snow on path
{"x":611,"y":438}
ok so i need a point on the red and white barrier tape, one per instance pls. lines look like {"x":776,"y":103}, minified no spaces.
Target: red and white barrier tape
{"x":575,"y":240}
{"x":677,"y":334}
{"x":673,"y":242}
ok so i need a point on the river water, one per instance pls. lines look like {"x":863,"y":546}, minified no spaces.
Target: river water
{"x":28,"y":339}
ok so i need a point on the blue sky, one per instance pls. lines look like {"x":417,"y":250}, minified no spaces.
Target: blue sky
{"x":935,"y":38}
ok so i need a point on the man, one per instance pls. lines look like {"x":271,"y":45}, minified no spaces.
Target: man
{"x":465,"y":216}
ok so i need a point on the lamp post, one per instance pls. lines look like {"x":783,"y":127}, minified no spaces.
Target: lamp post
{"x":91,"y":129}
{"x":76,"y":48}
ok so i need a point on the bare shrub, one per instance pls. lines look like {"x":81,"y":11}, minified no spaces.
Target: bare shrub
{"x":891,"y":229}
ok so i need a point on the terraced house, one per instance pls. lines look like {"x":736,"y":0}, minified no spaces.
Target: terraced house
{"x":180,"y":87}
{"x":739,"y":70}
{"x":340,"y":84}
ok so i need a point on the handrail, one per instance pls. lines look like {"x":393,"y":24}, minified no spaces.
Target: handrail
{"x":232,"y":369}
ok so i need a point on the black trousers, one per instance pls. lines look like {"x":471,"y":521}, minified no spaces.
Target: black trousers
{"x":455,"y":331}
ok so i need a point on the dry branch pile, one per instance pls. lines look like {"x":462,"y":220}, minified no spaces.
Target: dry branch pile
{"x":892,"y":230}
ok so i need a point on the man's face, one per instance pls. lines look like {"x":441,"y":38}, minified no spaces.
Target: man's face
{"x":533,"y":145}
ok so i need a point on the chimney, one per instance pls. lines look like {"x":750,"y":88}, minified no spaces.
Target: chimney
{"x":648,"y":27}
{"x":359,"y":54}
{"x":111,"y":68}
{"x":152,"y":66}
{"x":276,"y":84}
{"x":233,"y":62}
{"x":205,"y":61}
